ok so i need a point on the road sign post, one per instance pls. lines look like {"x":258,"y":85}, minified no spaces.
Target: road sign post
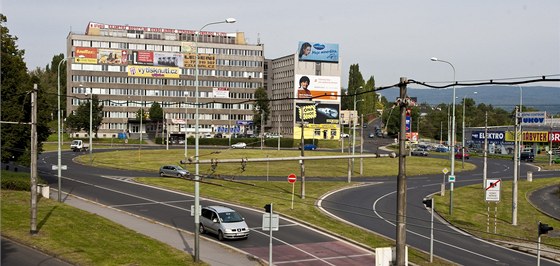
{"x":492,"y":194}
{"x":442,"y":190}
{"x":451,"y":181}
{"x":292,"y":179}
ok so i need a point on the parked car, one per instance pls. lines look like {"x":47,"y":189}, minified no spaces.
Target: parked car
{"x":223,"y":222}
{"x":442,"y":149}
{"x":239,"y":145}
{"x":371,"y":135}
{"x":309,"y":147}
{"x":344,"y":135}
{"x":459,"y":155}
{"x":527,"y":156}
{"x":419,"y":152}
{"x":173,"y":170}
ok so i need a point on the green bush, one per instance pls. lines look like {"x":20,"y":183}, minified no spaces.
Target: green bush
{"x":17,"y":181}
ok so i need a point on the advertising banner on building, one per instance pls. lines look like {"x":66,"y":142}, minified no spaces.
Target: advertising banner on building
{"x":220,"y":92}
{"x":493,"y":136}
{"x":411,"y":136}
{"x":168,"y":59}
{"x":143,"y":58}
{"x":153,"y":71}
{"x":528,"y":136}
{"x":317,"y":88}
{"x":113,"y":57}
{"x":554,"y":136}
{"x":320,"y":114}
{"x":188,"y":47}
{"x":318,"y":52}
{"x":533,"y":118}
{"x":85,"y":55}
{"x":205,"y":61}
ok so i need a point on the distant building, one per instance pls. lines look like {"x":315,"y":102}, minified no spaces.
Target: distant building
{"x":131,"y":67}
{"x":319,"y":101}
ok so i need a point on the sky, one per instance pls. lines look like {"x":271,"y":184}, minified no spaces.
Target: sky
{"x":482,"y":39}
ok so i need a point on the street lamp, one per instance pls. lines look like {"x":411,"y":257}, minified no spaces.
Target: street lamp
{"x":354,"y":129}
{"x":463,"y":135}
{"x":90,"y":125}
{"x":452,"y":144}
{"x":196,"y":177}
{"x":59,"y":169}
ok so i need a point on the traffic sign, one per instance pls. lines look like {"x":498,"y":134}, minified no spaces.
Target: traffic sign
{"x":267,"y":223}
{"x":451,"y":179}
{"x":492,"y":189}
{"x":292,"y":178}
{"x":445,"y":171}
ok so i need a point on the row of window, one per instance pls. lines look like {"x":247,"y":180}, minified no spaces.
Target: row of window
{"x":163,"y":48}
{"x":166,"y":105}
{"x":140,"y":34}
{"x":171,"y":82}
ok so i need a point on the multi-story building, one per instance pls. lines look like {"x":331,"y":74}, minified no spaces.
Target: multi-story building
{"x":132,"y":67}
{"x":318,"y":100}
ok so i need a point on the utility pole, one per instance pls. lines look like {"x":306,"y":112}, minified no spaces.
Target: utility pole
{"x":33,"y":230}
{"x":401,"y":178}
{"x":362,"y":147}
{"x":485,"y":169}
{"x":515,"y":157}
{"x":302,"y":163}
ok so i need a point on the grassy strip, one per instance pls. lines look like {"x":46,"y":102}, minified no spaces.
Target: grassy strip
{"x":258,"y":193}
{"x":470,"y":212}
{"x":81,"y":237}
{"x":151,"y":160}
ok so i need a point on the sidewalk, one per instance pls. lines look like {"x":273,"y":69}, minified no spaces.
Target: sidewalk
{"x":211,"y":252}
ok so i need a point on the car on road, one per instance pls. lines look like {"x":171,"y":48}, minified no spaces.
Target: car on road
{"x":344,"y":135}
{"x":309,"y":147}
{"x":371,"y":135}
{"x":239,"y":145}
{"x":459,"y":155}
{"x":419,"y":152}
{"x":527,"y":156}
{"x":223,"y":222}
{"x":173,"y":170}
{"x":442,"y":149}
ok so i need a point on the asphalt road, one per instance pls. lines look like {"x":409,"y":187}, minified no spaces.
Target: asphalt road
{"x":293,"y":244}
{"x":373,"y":207}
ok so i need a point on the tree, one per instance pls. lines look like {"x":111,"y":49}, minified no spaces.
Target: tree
{"x":80,"y":119}
{"x":261,"y":107}
{"x":16,"y":104}
{"x":355,"y":81}
{"x":156,"y":115}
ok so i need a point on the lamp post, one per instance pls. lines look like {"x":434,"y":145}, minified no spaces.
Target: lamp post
{"x":463,"y":135}
{"x":90,"y":125}
{"x":59,"y":169}
{"x":196,"y":177}
{"x":354,"y":129}
{"x":452,"y":152}
{"x":186,"y":114}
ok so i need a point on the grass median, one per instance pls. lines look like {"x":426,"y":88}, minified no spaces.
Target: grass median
{"x":80,"y":237}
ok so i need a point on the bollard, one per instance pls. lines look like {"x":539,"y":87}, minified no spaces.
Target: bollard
{"x":529,"y":176}
{"x":442,"y":191}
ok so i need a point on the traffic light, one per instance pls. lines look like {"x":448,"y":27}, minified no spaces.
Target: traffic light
{"x":268,"y":208}
{"x":544,"y":228}
{"x":427,"y":202}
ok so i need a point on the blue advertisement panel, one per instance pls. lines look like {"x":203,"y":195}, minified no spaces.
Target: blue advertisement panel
{"x":318,"y":52}
{"x":493,"y":136}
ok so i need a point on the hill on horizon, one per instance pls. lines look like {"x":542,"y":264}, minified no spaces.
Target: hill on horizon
{"x":541,"y":98}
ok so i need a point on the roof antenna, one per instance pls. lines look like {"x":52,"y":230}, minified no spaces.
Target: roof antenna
{"x":258,"y":38}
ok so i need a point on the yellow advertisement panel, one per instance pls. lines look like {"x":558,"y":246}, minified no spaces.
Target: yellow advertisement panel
{"x":153,"y":71}
{"x":85,"y":55}
{"x":205,"y":61}
{"x":528,"y":136}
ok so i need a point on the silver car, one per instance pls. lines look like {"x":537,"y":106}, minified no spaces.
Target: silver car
{"x":173,"y":170}
{"x":224,"y":222}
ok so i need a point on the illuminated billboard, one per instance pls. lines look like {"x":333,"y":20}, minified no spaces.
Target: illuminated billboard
{"x":318,"y":52}
{"x":317,"y":88}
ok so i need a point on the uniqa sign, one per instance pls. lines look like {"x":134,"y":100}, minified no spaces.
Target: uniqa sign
{"x":533,"y":118}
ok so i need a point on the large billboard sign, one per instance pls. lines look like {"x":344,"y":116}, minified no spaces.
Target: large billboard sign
{"x":205,"y":61}
{"x":113,"y":57}
{"x":85,"y":55}
{"x":318,"y":114}
{"x":220,"y":92}
{"x":318,"y":52}
{"x":317,"y":88}
{"x":493,"y":136}
{"x":528,"y":136}
{"x":143,"y":58}
{"x":153,"y":71}
{"x":168,"y":59}
{"x":533,"y":118}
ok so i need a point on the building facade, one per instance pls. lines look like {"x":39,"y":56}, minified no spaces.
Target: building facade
{"x":318,"y":109}
{"x":132,"y":67}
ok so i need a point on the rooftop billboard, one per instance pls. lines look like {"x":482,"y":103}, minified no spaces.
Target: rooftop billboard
{"x":318,"y":52}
